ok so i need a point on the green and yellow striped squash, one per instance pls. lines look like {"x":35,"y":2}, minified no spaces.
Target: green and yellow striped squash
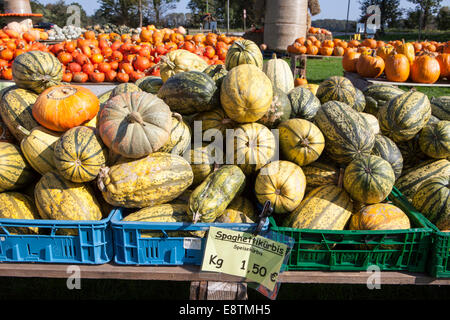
{"x":105,"y":96}
{"x":15,"y":205}
{"x":380,"y":216}
{"x":246,"y":93}
{"x":15,"y":109}
{"x":369,"y":179}
{"x":327,"y":207}
{"x":179,"y":61}
{"x":163,"y":213}
{"x":137,"y":183}
{"x":433,"y":120}
{"x":411,"y":152}
{"x":440,"y":107}
{"x":301,"y":141}
{"x":215,"y":119}
{"x":124,"y":88}
{"x":190,"y":92}
{"x":38,"y":148}
{"x":60,"y":199}
{"x":346,"y":134}
{"x":388,"y":150}
{"x":79,"y":154}
{"x":15,"y":172}
{"x":240,"y":210}
{"x":180,"y":136}
{"x":372,"y":107}
{"x":243,"y":52}
{"x":360,"y":101}
{"x":304,"y":103}
{"x":411,"y":179}
{"x":282,"y":183}
{"x":372,"y":122}
{"x":37,"y":71}
{"x":150,"y":84}
{"x":337,"y":88}
{"x":432,"y":199}
{"x":280,"y":110}
{"x":210,"y":199}
{"x":254,"y":146}
{"x":381,"y":93}
{"x":434,"y":140}
{"x":404,"y":116}
{"x":319,"y":173}
{"x":203,"y":160}
{"x":279,"y":73}
{"x":217,"y":72}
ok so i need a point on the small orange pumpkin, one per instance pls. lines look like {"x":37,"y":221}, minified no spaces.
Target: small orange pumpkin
{"x":370,"y":65}
{"x":397,"y":67}
{"x":425,"y":69}
{"x":62,"y":107}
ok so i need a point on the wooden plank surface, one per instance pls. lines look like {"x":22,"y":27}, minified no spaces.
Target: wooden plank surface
{"x":356,"y":77}
{"x":193,"y":273}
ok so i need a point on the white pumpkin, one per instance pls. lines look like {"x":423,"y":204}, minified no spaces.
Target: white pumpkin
{"x":279,"y":73}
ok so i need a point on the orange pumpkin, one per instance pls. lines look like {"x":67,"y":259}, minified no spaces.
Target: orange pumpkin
{"x":338,"y":51}
{"x":384,"y":51}
{"x":300,"y":81}
{"x":371,"y":43}
{"x":370,"y":65}
{"x":397,"y":67}
{"x":326,"y":51}
{"x":349,"y":61}
{"x":407,"y":49}
{"x":444,"y":64}
{"x":63,"y":107}
{"x":313,"y":50}
{"x":425,"y":69}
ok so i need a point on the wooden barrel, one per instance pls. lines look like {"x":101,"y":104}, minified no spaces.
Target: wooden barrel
{"x":285,"y":21}
{"x":17,"y":6}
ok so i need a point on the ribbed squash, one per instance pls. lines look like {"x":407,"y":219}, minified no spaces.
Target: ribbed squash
{"x":432,"y":199}
{"x":279,"y":73}
{"x":360,"y":101}
{"x":411,"y":179}
{"x":240,"y":210}
{"x":369,"y":179}
{"x":38,"y":146}
{"x":372,"y":122}
{"x":404,"y":116}
{"x":180,"y":136}
{"x":301,"y":141}
{"x":210,"y":199}
{"x":124,"y":88}
{"x":217,"y":72}
{"x":155,"y":179}
{"x":190,"y":92}
{"x":178,"y":61}
{"x":215,"y":119}
{"x":346,"y":134}
{"x":104,"y":96}
{"x":304,"y":103}
{"x":246,"y":93}
{"x":388,"y":150}
{"x":337,"y":88}
{"x":203,"y":161}
{"x":15,"y":205}
{"x":79,"y":154}
{"x":378,"y":95}
{"x":380,"y":216}
{"x":254,"y":146}
{"x":150,"y":84}
{"x":440,"y":107}
{"x":283,"y":183}
{"x":327,"y":207}
{"x":411,"y":152}
{"x":37,"y":71}
{"x":280,"y":110}
{"x":434,"y":140}
{"x":433,"y":119}
{"x":15,"y":172}
{"x":319,"y":173}
{"x":166,"y":213}
{"x":16,"y":109}
{"x":243,"y":52}
{"x":60,"y":199}
{"x":372,"y":107}
{"x":135,"y":124}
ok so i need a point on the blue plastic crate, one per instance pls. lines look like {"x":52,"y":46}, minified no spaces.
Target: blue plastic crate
{"x":131,"y":248}
{"x":92,"y":243}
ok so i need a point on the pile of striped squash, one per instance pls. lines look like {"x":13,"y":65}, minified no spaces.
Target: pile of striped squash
{"x":75,"y":156}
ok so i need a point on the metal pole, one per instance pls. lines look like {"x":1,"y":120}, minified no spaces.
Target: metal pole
{"x":140,"y":13}
{"x":420,"y":22}
{"x":346,"y":23}
{"x":207,"y":9}
{"x":228,"y":16}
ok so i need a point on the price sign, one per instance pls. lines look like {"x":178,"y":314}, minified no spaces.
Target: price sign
{"x":244,"y":255}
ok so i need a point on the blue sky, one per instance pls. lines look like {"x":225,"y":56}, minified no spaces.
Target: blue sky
{"x":331,"y":9}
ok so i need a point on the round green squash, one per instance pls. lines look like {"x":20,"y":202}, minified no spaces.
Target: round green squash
{"x":217,"y":72}
{"x":180,"y":136}
{"x":320,"y":173}
{"x":124,"y":88}
{"x":214,"y":120}
{"x":150,"y":84}
{"x":15,"y":172}
{"x":190,"y":92}
{"x":434,"y":140}
{"x":389,"y":151}
{"x":243,"y":52}
{"x":432,"y":199}
{"x":337,"y":88}
{"x":37,"y":71}
{"x":369,"y":179}
{"x":440,"y":107}
{"x":279,"y":110}
{"x":360,"y":101}
{"x":304,"y":103}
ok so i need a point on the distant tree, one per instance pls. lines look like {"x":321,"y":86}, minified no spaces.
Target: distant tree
{"x":159,"y":8}
{"x":411,"y":19}
{"x":443,"y":19}
{"x":390,"y":11}
{"x":120,"y":12}
{"x":57,"y":12}
{"x":428,"y":8}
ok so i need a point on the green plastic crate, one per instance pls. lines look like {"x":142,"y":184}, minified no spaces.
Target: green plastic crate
{"x":340,"y":250}
{"x":439,"y":261}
